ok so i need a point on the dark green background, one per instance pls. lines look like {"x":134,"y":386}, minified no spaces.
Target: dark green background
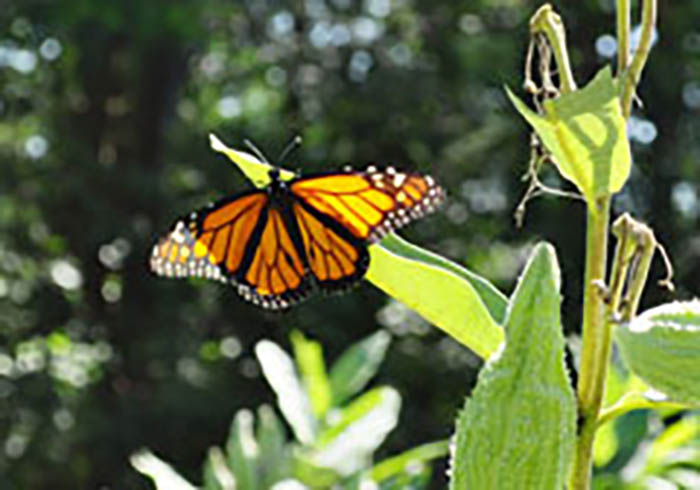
{"x":104,"y":145}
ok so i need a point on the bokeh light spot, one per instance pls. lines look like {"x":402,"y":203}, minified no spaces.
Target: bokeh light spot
{"x":36,"y":146}
{"x":50,"y":49}
{"x":66,"y":275}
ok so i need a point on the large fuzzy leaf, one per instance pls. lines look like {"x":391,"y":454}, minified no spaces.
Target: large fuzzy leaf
{"x":517,"y":431}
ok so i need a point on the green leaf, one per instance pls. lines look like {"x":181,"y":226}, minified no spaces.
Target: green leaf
{"x":586,"y":134}
{"x":678,"y":443}
{"x":517,"y":431}
{"x":217,"y":474}
{"x":437,"y":292}
{"x":605,"y":445}
{"x":662,"y":346}
{"x":242,"y":451}
{"x":275,"y":464}
{"x":357,"y":431}
{"x":309,"y":357}
{"x":256,"y":171}
{"x":311,"y":474}
{"x":292,"y":399}
{"x":357,"y":365}
{"x":163,"y":475}
{"x":407,"y":460}
{"x":494,"y":300}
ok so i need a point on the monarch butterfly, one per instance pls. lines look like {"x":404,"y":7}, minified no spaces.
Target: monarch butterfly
{"x":278,"y":244}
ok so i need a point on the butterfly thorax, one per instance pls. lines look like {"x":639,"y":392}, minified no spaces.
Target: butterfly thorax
{"x":277,"y":189}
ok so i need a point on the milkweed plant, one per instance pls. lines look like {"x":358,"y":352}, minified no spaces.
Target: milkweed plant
{"x":527,"y":424}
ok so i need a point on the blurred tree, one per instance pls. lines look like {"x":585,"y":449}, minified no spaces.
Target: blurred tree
{"x":105,"y":107}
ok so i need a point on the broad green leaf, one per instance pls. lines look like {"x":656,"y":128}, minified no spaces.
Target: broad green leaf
{"x":242,"y":451}
{"x":275,"y":463}
{"x":437,"y":293}
{"x":217,"y":474}
{"x":626,"y":392}
{"x":309,"y":357}
{"x":256,"y":171}
{"x":494,"y":300}
{"x":163,"y":475}
{"x":517,"y":431}
{"x":358,"y":430}
{"x":407,"y":460}
{"x":662,"y":346}
{"x":357,"y":365}
{"x":292,"y":399}
{"x":586,"y":134}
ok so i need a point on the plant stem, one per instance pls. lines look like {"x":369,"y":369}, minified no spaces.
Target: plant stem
{"x":623,"y":35}
{"x":596,"y":342}
{"x":631,"y":77}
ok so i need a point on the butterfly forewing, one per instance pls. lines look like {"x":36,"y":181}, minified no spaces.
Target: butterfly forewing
{"x":372,"y":203}
{"x":211,"y":242}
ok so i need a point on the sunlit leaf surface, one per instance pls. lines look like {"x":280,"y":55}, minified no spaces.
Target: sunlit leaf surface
{"x":587,"y":135}
{"x":437,"y":293}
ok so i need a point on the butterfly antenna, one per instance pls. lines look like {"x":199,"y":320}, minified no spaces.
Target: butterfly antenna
{"x":293,"y":145}
{"x":255,"y":150}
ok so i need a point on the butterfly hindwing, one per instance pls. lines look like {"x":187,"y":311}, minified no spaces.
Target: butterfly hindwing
{"x":336,"y":258}
{"x":276,"y":276}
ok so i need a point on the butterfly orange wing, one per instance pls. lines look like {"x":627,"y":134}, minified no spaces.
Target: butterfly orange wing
{"x":339,"y":214}
{"x":211,"y":242}
{"x":335,"y":256}
{"x":316,"y":232}
{"x":372,"y":203}
{"x":276,"y":276}
{"x":242,"y":241}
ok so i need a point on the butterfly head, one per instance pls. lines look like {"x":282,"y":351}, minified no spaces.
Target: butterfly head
{"x":274,"y":174}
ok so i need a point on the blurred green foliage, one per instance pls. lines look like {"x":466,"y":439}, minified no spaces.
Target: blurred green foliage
{"x":104,"y":111}
{"x":334,"y":442}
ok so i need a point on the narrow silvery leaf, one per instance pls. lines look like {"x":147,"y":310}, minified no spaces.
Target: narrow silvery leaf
{"x":662,"y":346}
{"x":309,"y":357}
{"x":242,"y":450}
{"x":275,"y":463}
{"x":163,"y":475}
{"x":361,"y":427}
{"x":357,"y":365}
{"x":292,"y":399}
{"x":517,"y":431}
{"x":289,"y":485}
{"x":217,"y":474}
